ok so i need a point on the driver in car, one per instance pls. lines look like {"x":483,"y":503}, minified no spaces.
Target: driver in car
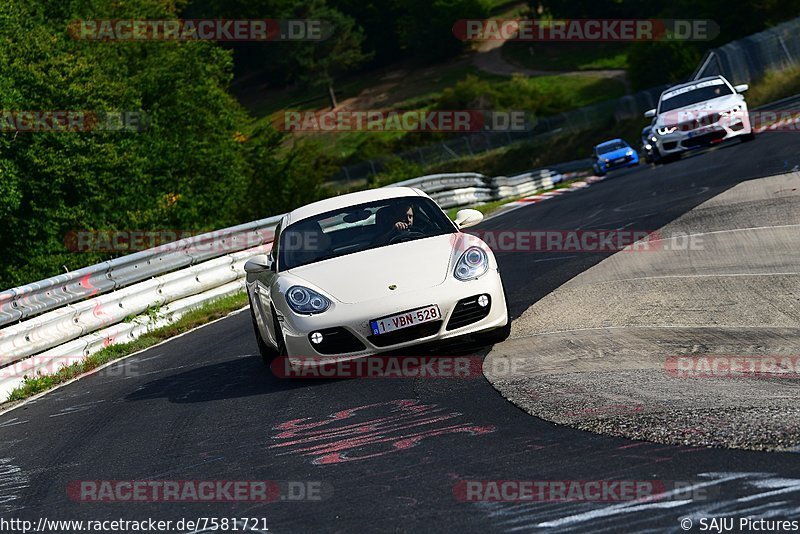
{"x":391,"y":220}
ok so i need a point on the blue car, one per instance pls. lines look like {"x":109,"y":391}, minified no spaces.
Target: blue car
{"x":614,"y":154}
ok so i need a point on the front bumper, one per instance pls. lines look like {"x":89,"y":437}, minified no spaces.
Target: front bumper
{"x":354,"y":319}
{"x":683,"y":140}
{"x":619,"y":163}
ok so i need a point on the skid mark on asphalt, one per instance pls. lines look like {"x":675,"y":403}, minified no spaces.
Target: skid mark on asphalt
{"x":12,"y":422}
{"x":761,"y":491}
{"x":370,"y":431}
{"x":12,"y":481}
{"x":77,"y":408}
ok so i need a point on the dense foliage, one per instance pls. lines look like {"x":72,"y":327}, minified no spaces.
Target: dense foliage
{"x":191,"y":169}
{"x":654,"y":63}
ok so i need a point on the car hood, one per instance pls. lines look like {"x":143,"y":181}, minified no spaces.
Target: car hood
{"x":367,"y":275}
{"x":715,"y":105}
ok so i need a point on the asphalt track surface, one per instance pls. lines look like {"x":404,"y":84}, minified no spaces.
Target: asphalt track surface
{"x":203,"y":407}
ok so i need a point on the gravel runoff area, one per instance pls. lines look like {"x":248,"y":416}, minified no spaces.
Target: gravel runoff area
{"x":629,"y":347}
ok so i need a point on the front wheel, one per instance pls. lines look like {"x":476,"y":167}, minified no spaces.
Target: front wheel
{"x":747,"y":137}
{"x":267,"y":353}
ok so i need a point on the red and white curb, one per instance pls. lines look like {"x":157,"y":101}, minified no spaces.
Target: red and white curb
{"x":789,"y":121}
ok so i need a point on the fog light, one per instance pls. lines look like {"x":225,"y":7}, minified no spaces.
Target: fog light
{"x":316,"y":338}
{"x":483,"y":301}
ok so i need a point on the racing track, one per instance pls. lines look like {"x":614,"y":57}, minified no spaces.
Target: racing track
{"x":203,"y":406}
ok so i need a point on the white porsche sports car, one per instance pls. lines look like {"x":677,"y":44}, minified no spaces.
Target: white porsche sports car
{"x":373,"y":271}
{"x":697,"y":114}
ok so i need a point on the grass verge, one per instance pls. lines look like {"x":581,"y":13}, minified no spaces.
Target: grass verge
{"x":566,"y":56}
{"x":215,"y":309}
{"x":774,"y":86}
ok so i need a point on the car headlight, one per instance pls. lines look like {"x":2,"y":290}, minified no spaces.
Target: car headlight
{"x":606,"y":160}
{"x":648,"y":146}
{"x":303,"y":300}
{"x":666,"y":130}
{"x":736,"y":109}
{"x":472,"y":264}
{"x":654,"y":139}
{"x":629,"y":152}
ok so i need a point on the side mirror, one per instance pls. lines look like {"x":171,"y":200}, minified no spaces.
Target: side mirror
{"x":258,"y":264}
{"x":741,"y":88}
{"x":650,"y":113}
{"x":468,"y":217}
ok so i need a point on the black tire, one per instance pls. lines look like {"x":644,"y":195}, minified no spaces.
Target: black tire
{"x":267,"y":353}
{"x":747,"y":138}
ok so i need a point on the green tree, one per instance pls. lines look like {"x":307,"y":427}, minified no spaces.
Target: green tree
{"x":425,"y":29}
{"x":187,"y":171}
{"x":661,"y":62}
{"x":320,"y":63}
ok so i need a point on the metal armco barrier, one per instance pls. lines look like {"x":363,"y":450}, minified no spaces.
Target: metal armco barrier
{"x":68,"y":317}
{"x":33,"y":299}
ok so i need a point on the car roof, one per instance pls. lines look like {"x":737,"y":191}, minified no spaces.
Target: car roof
{"x":693,"y":82}
{"x":604,"y":143}
{"x":350,"y":199}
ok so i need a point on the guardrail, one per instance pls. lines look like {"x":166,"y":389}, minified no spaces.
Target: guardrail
{"x":32,"y":299}
{"x":68,"y":317}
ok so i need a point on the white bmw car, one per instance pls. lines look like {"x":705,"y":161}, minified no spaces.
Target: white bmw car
{"x":697,"y":114}
{"x":373,"y":271}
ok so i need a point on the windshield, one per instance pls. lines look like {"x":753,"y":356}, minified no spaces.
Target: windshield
{"x":693,"y":94}
{"x":611,"y":147}
{"x":359,"y":228}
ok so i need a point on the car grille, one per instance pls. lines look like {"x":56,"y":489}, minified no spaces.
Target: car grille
{"x":406,"y":334}
{"x":694,"y":124}
{"x":704,"y":139}
{"x":620,"y":161}
{"x":467,"y":312}
{"x":337,"y":341}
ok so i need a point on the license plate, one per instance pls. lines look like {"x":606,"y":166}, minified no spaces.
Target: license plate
{"x":702,"y":131}
{"x":406,"y":319}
